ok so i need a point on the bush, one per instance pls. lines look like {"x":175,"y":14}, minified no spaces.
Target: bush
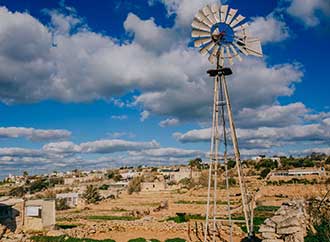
{"x":134,"y":185}
{"x":91,"y":194}
{"x":265,"y":172}
{"x":266,"y":163}
{"x":175,"y":240}
{"x":231,"y":181}
{"x":65,"y":238}
{"x":61,"y":204}
{"x":231,"y":164}
{"x":104,"y":187}
{"x":138,"y":240}
{"x":17,"y":192}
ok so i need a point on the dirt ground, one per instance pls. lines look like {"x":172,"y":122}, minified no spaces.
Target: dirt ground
{"x":155,"y":226}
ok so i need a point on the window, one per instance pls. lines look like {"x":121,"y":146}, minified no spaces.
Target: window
{"x":33,"y":211}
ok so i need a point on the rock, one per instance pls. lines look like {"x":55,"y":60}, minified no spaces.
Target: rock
{"x":289,"y":222}
{"x":288,"y":230}
{"x":268,"y":235}
{"x":266,"y":229}
{"x":55,"y":233}
{"x":273,"y":240}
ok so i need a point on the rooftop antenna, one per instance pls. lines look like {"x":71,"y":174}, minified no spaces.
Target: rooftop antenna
{"x":219,"y":33}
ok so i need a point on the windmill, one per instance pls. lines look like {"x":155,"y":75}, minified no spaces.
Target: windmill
{"x":221,"y":35}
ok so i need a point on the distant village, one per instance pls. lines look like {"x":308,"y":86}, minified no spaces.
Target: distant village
{"x":30,"y":202}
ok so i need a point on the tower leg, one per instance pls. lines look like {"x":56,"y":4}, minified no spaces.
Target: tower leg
{"x":213,"y":156}
{"x":237,"y":156}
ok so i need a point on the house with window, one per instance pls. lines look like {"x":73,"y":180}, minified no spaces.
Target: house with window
{"x":39,"y":214}
{"x":71,"y":198}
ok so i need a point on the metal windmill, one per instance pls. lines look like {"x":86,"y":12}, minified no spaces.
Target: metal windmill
{"x":219,"y":33}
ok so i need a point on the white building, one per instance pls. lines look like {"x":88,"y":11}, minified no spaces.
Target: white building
{"x":71,"y":198}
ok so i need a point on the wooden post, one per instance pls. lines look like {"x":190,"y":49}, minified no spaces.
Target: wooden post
{"x":237,"y":155}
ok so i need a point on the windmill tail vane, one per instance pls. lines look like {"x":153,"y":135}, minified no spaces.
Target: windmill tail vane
{"x":219,"y":33}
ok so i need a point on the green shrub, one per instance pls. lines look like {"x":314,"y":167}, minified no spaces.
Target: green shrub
{"x":265,"y":172}
{"x":175,"y":240}
{"x":105,"y":217}
{"x":65,"y":238}
{"x":104,"y":187}
{"x":322,"y":233}
{"x":134,"y":185}
{"x":61,"y":204}
{"x":91,"y":194}
{"x":138,"y":240}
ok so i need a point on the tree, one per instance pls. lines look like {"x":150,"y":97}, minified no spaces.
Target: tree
{"x":61,"y":204}
{"x":197,"y":163}
{"x":91,"y":194}
{"x":327,"y":161}
{"x":265,"y":172}
{"x":25,"y":174}
{"x":134,"y":185}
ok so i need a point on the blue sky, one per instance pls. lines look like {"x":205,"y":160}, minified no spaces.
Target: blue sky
{"x":85,"y":85}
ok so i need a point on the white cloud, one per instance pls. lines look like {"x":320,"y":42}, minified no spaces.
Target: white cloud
{"x":149,"y":35}
{"x":119,"y":117}
{"x":19,"y":152}
{"x":269,"y":29}
{"x":144,"y":115}
{"x":267,"y":137}
{"x":167,"y":152}
{"x":117,"y":135}
{"x":168,"y":122}
{"x":185,"y":10}
{"x":62,"y":147}
{"x":34,"y":134}
{"x":308,"y":11}
{"x":116,"y":145}
{"x":271,"y":116}
{"x":98,"y":146}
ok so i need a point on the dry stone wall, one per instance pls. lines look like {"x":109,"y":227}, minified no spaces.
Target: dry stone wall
{"x":289,"y":224}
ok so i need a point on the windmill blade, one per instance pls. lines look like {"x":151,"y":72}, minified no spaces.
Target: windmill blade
{"x":223,"y":14}
{"x":199,"y":25}
{"x":235,"y":52}
{"x":242,"y":27}
{"x":240,"y":48}
{"x":222,"y":52}
{"x":214,"y":54}
{"x":207,"y":48}
{"x":208,"y":13}
{"x":237,"y":20}
{"x":215,"y":8}
{"x":221,"y":61}
{"x":199,"y":42}
{"x":199,"y":33}
{"x":253,"y":47}
{"x":231,"y":15}
{"x":229,"y":55}
{"x":203,"y":18}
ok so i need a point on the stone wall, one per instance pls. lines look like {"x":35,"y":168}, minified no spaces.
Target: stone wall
{"x":289,"y":224}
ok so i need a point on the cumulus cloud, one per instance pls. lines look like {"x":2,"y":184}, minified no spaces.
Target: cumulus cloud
{"x":149,"y":35}
{"x":168,"y":122}
{"x":272,"y":116}
{"x":308,"y":11}
{"x":167,"y":152}
{"x":34,"y":134}
{"x":99,"y":146}
{"x":267,"y":137}
{"x":115,"y":145}
{"x":269,"y":29}
{"x":144,"y":115}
